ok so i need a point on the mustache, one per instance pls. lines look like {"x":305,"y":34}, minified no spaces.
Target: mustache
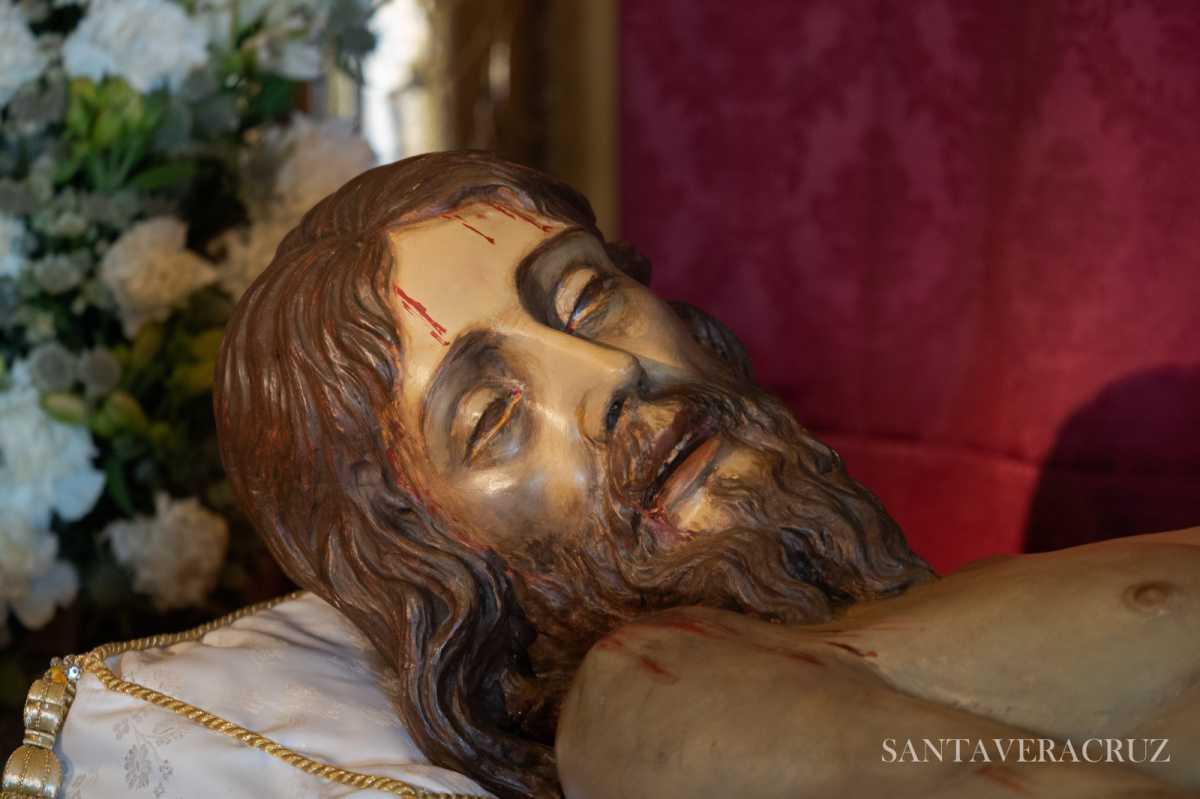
{"x":804,"y":541}
{"x":658,"y":431}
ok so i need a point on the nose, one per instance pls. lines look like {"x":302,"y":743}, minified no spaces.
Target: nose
{"x":588,"y":382}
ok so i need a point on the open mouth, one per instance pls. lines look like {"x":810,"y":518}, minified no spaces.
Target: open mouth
{"x":682,"y":464}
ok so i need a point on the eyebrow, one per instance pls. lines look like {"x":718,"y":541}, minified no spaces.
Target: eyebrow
{"x":467,"y":348}
{"x":528,"y":278}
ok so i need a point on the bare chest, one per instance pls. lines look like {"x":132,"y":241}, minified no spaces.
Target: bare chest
{"x":1100,"y":640}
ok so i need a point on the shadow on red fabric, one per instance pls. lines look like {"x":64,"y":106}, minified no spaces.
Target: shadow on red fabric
{"x":1128,"y":461}
{"x":940,"y":228}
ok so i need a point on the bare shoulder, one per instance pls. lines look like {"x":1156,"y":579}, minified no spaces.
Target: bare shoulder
{"x":667,"y":699}
{"x":703,"y":703}
{"x":1094,"y":640}
{"x":663,"y":649}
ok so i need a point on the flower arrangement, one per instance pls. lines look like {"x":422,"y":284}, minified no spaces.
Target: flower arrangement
{"x":151,"y":159}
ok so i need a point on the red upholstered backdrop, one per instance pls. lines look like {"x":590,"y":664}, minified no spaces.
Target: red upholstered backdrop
{"x":961,"y":239}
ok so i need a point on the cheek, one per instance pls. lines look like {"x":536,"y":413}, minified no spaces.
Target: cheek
{"x":552,"y":490}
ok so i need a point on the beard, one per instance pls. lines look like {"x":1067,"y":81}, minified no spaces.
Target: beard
{"x":795,"y":541}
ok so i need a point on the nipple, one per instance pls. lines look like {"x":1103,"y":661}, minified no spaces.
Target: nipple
{"x":1149,"y":597}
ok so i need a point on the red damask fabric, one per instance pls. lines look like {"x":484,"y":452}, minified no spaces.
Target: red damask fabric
{"x":961,"y":239}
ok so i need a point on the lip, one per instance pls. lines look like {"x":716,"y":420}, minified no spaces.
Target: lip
{"x":689,"y":473}
{"x":678,"y":459}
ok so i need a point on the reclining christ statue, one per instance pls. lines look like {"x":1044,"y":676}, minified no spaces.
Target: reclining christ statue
{"x":604,"y":563}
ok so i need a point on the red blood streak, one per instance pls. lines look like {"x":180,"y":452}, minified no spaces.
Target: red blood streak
{"x":656,"y":669}
{"x":803,"y":657}
{"x":870,"y":653}
{"x":463,"y":222}
{"x":503,"y":210}
{"x":512,"y":213}
{"x":610,"y":644}
{"x":1000,"y":776}
{"x":412,"y":306}
{"x":613,"y":643}
{"x":685,"y":625}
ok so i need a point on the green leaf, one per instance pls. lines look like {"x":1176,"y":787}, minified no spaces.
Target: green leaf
{"x":146,"y":345}
{"x":79,"y":118}
{"x":125,"y":412}
{"x":274,"y":99}
{"x":102,"y":424}
{"x":108,"y":128}
{"x":85,"y":90}
{"x":162,"y":436}
{"x":205,"y":345}
{"x":64,"y":407}
{"x":158,"y":177}
{"x":192,"y":379}
{"x":67,"y":168}
{"x":116,"y":93}
{"x":97,"y":174}
{"x":118,"y":486}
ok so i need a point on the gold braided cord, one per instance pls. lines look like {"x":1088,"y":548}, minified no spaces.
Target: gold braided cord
{"x":93,"y":662}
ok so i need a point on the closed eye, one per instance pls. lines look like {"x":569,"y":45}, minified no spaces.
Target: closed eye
{"x":491,"y":422}
{"x":581,"y":294}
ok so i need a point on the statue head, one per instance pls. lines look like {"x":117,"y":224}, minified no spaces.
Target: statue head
{"x":458,"y":414}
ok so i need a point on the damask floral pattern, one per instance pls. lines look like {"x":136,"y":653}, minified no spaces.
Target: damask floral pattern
{"x":942,"y":230}
{"x":298,"y":673}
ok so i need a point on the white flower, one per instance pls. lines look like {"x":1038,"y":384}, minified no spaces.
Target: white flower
{"x":289,"y":42}
{"x":175,"y":555}
{"x":316,"y":159}
{"x":289,"y":56}
{"x":248,"y":251}
{"x":45,"y":465}
{"x":33,"y":581}
{"x":286,"y":39}
{"x":149,"y":271}
{"x":146,"y":42}
{"x":216,"y":17}
{"x":13,"y":239}
{"x":321,"y":156}
{"x":20,"y":59}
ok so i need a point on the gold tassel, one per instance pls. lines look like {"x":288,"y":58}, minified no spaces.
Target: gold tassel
{"x":33,"y":770}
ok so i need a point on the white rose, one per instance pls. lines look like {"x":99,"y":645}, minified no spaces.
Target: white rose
{"x":291,"y":57}
{"x":20,"y":59}
{"x":317,"y":158}
{"x":216,"y":17}
{"x":321,"y":156}
{"x":33,"y":581}
{"x":147,"y":42}
{"x":45,"y":465}
{"x":149,"y":271}
{"x":13,"y":241}
{"x":248,"y":251}
{"x":175,"y":555}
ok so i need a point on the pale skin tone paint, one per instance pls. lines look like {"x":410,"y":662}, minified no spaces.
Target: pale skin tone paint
{"x":513,"y":404}
{"x":1102,"y":640}
{"x":1096,"y":641}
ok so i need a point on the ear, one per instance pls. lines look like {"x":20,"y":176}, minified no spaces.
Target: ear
{"x":714,"y":337}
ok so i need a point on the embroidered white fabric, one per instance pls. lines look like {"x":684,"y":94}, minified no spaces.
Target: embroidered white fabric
{"x":298,"y":673}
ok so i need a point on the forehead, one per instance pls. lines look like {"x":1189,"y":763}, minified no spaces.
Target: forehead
{"x":456,"y":272}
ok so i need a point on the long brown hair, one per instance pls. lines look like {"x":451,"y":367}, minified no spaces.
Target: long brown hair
{"x":307,"y":378}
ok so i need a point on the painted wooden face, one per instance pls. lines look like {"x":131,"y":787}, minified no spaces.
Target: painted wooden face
{"x":524,"y":345}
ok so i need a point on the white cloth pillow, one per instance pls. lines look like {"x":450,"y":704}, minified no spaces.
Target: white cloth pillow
{"x":297,"y":673}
